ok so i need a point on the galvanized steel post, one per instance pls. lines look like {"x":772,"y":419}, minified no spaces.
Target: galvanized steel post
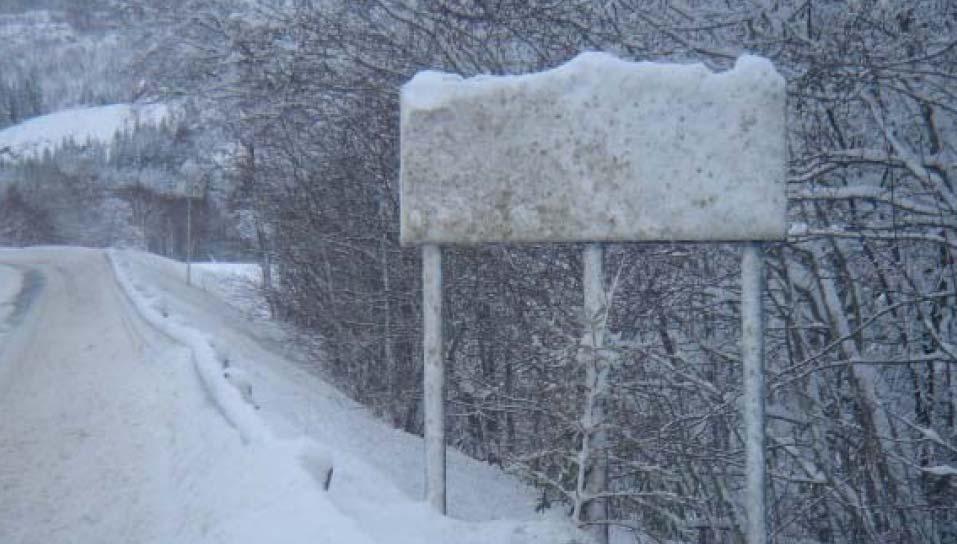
{"x":752,"y":348}
{"x":434,"y":377}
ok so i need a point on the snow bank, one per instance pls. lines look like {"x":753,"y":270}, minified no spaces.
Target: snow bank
{"x":249,"y":272}
{"x":378,"y":470}
{"x":940,"y":470}
{"x":597,"y":149}
{"x":234,"y":283}
{"x":11,"y":281}
{"x":31,"y":138}
{"x":210,"y":362}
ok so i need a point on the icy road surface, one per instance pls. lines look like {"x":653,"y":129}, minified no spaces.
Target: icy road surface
{"x":108,"y":433}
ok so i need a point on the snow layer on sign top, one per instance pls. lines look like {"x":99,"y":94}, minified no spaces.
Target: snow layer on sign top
{"x":599,"y":149}
{"x":32,"y":137}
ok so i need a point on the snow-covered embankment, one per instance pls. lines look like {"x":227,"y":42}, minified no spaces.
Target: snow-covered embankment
{"x":378,"y":469}
{"x":300,"y":458}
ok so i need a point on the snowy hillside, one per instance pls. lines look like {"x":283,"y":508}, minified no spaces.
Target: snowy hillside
{"x":34,"y":136}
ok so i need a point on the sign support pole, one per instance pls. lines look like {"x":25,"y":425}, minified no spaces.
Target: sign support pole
{"x":189,"y":238}
{"x":595,"y":442}
{"x":752,"y":347}
{"x":434,"y":377}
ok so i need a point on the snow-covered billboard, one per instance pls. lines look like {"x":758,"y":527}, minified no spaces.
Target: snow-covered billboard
{"x":598,"y":149}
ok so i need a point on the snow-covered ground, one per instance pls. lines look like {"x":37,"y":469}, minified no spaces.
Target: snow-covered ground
{"x":118,"y":427}
{"x":237,"y":284}
{"x":81,"y":125}
{"x":11,"y":282}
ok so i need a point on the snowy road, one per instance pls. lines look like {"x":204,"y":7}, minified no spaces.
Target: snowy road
{"x":110,"y":431}
{"x":74,"y":399}
{"x":103,"y":440}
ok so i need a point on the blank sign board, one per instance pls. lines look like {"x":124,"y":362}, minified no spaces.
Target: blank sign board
{"x":598,"y":149}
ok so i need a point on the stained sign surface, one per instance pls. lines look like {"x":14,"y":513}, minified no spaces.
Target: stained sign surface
{"x":598,"y":149}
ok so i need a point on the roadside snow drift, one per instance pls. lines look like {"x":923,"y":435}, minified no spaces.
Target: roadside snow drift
{"x":598,"y":149}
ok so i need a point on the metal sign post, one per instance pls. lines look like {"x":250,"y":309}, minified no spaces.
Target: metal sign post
{"x":189,"y":239}
{"x":752,"y":350}
{"x":595,"y":437}
{"x":434,"y":376}
{"x":597,"y":150}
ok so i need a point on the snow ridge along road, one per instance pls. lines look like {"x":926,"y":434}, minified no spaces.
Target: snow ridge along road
{"x":117,"y":428}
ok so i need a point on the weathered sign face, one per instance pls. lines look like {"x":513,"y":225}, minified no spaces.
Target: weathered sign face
{"x":598,"y":149}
